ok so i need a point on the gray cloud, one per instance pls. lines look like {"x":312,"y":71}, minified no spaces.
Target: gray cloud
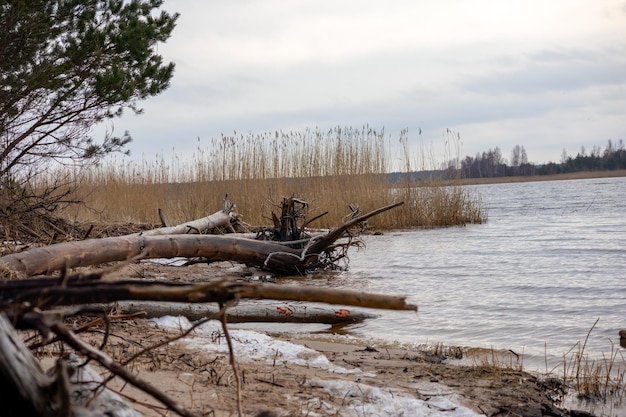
{"x":264,"y":66}
{"x":550,"y":71}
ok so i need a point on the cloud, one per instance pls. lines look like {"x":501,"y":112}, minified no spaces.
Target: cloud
{"x":554,"y":71}
{"x":493,"y":71}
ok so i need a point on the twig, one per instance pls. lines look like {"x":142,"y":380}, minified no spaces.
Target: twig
{"x":117,"y":368}
{"x":233,"y":361}
{"x":276,"y":384}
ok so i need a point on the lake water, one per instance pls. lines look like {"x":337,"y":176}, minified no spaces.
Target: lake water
{"x":549,"y":262}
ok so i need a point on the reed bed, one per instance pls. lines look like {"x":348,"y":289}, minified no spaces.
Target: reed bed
{"x":331,"y":170}
{"x":594,"y":380}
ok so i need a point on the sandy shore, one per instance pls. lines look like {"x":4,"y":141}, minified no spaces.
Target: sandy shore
{"x":295,"y":374}
{"x":310,"y":377}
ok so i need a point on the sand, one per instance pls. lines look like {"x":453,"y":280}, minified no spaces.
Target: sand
{"x":295,"y":374}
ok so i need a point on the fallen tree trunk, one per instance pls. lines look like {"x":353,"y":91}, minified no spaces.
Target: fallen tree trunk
{"x":48,"y":293}
{"x":268,"y":255}
{"x":56,"y":257}
{"x":198,"y":226}
{"x":220,"y":218}
{"x":251,"y":312}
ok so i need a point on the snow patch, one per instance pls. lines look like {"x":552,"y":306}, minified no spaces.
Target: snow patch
{"x":358,"y":399}
{"x":365,"y":400}
{"x":251,"y":345}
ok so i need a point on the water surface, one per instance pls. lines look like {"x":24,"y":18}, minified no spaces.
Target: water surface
{"x":549,"y":262}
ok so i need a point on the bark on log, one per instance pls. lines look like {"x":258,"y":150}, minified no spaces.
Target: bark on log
{"x":50,"y":294}
{"x":245,"y":312}
{"x":24,"y":387}
{"x":213,"y":221}
{"x":56,"y":257}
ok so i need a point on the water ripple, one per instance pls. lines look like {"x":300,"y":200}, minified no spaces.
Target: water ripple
{"x":549,"y":262}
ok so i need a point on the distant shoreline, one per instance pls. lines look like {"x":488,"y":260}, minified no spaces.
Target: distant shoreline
{"x":556,"y":177}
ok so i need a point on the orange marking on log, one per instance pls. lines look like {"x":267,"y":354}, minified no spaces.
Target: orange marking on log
{"x":285,"y":311}
{"x":342,"y":312}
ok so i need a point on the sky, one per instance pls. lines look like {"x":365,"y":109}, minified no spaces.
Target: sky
{"x":547,"y":75}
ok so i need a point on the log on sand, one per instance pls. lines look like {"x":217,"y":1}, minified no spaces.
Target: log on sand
{"x":34,"y":393}
{"x":251,"y":312}
{"x":89,"y":252}
{"x":220,"y":218}
{"x":213,"y":221}
{"x":268,"y":255}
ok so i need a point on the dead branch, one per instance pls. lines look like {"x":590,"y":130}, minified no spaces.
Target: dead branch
{"x":117,"y":368}
{"x":246,"y":311}
{"x":269,"y":255}
{"x":320,"y":244}
{"x":15,"y":301}
{"x":203,"y":225}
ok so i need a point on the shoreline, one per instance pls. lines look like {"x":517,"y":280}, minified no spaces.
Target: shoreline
{"x":328,"y":378}
{"x":314,"y":378}
{"x":535,"y":178}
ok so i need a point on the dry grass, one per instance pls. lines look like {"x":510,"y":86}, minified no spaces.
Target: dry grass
{"x":594,"y":380}
{"x":330,"y":170}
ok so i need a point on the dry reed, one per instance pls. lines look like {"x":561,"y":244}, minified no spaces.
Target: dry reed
{"x":594,"y":380}
{"x":330,"y":170}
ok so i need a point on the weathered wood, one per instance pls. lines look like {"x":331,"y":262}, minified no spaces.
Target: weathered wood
{"x":264,"y":254}
{"x":26,"y":390}
{"x":24,"y":387}
{"x":89,"y":252}
{"x":213,"y":221}
{"x":320,"y":244}
{"x":245,"y":312}
{"x":164,"y":221}
{"x":74,"y":292}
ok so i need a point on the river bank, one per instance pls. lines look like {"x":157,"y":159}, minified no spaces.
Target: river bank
{"x":308,"y":377}
{"x":295,"y":374}
{"x":532,"y":178}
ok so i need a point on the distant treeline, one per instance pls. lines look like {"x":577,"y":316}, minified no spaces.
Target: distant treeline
{"x":492,"y":164}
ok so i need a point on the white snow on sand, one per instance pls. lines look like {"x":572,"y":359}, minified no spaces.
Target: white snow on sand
{"x":358,"y":399}
{"x":251,"y":345}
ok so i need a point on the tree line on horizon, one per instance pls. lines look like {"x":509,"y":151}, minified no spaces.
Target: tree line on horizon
{"x":491,"y":164}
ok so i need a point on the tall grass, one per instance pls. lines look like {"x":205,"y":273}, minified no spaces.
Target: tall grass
{"x":594,"y":380}
{"x":330,"y":170}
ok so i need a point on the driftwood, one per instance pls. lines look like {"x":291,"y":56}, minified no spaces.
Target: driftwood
{"x":98,"y":251}
{"x":47,"y":293}
{"x":60,"y":395}
{"x":213,"y":221}
{"x":25,"y":387}
{"x":43,"y":304}
{"x":243,"y":312}
{"x":268,"y":255}
{"x":220,"y":218}
{"x":34,"y":393}
{"x":28,"y":391}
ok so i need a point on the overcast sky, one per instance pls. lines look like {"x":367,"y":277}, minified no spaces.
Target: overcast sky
{"x":543,"y":74}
